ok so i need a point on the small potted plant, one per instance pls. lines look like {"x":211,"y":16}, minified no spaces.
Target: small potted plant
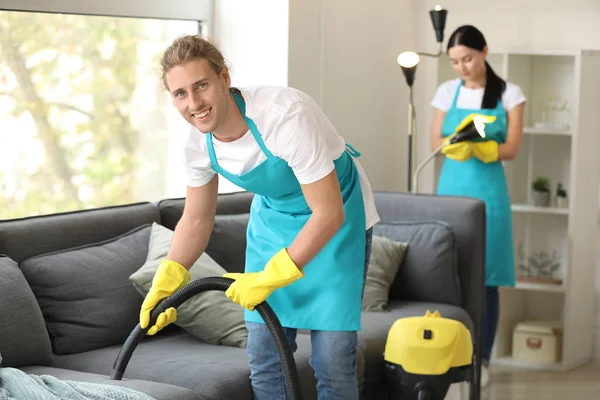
{"x":540,"y":193}
{"x":561,"y":196}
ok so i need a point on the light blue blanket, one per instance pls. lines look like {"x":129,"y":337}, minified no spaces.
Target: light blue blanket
{"x":18,"y":385}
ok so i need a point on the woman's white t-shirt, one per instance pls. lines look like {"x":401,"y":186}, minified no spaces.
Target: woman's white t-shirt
{"x":472,"y":98}
{"x":293,"y":128}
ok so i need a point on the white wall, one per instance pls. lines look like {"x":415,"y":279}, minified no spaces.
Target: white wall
{"x":254,"y":38}
{"x":343,"y":53}
{"x":547,"y":24}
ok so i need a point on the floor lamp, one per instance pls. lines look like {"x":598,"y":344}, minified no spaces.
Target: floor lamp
{"x":408,"y":61}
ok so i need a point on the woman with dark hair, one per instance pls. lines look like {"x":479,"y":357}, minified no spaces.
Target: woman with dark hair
{"x":474,"y":168}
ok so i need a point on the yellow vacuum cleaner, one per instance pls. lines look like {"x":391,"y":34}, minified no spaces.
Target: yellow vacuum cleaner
{"x":425,"y":355}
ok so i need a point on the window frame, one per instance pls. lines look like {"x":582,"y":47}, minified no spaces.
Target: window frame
{"x":197,"y":10}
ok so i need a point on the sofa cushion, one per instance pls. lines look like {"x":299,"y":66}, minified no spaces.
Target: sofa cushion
{"x":214,"y":372}
{"x":386,"y":257}
{"x":227,"y":243}
{"x":23,"y":336}
{"x":27,"y":237}
{"x":430,"y":271}
{"x":210,"y":315}
{"x":85,"y":293}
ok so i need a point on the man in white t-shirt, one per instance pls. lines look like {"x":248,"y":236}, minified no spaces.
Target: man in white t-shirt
{"x":310,"y":223}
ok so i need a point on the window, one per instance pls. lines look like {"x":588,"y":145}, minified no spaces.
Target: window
{"x":84,"y":121}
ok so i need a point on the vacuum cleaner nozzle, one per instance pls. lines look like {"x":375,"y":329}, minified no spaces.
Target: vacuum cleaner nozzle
{"x":425,"y":355}
{"x":472,"y":127}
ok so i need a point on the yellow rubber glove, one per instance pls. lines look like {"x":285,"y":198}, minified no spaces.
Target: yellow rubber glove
{"x":486,"y":151}
{"x":169,"y":278}
{"x":460,"y":151}
{"x":251,"y":289}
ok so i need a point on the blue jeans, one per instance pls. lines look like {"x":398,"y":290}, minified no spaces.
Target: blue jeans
{"x":333,"y":359}
{"x":491,"y":314}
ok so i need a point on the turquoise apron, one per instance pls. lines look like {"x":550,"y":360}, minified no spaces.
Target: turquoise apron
{"x":473,"y":178}
{"x":329,"y":295}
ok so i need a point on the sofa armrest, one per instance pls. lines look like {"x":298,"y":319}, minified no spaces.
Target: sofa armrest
{"x":466,"y":218}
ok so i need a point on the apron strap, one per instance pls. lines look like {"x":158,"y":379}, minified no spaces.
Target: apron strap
{"x":211,"y":151}
{"x":253,"y":129}
{"x":456,"y":93}
{"x":352,"y":151}
{"x":500,"y":106}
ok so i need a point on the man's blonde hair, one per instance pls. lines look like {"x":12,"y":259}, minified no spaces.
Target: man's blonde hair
{"x":188,"y":48}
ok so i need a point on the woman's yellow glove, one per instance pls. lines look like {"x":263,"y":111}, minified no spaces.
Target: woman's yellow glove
{"x":460,"y":151}
{"x":486,"y":151}
{"x":251,"y":289}
{"x":169,"y":278}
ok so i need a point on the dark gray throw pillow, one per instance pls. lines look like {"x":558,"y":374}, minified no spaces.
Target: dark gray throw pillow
{"x":430,"y":268}
{"x":227,"y":243}
{"x":85,"y":294}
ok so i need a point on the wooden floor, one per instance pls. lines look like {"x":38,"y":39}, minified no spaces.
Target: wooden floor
{"x":582,"y":383}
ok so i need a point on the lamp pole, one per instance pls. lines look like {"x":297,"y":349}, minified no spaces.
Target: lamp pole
{"x":408,"y":61}
{"x":412,"y":142}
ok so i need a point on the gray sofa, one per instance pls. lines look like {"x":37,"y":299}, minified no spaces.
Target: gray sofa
{"x":443,"y":269}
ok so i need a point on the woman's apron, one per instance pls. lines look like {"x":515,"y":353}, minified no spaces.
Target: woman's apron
{"x":474,"y":178}
{"x":329,"y":295}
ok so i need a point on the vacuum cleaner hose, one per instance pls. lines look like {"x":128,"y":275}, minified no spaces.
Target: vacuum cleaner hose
{"x":423,"y":395}
{"x":288,"y":364}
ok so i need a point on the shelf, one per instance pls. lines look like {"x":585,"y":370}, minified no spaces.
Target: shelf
{"x":545,"y":131}
{"x":561,"y":88}
{"x":540,"y":287}
{"x":508,"y":361}
{"x":526,"y":208}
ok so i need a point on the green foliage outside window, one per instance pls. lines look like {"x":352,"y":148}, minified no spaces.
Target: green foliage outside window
{"x":72,"y":81}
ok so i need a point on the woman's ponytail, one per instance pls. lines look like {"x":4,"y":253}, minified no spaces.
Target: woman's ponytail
{"x":494,"y":88}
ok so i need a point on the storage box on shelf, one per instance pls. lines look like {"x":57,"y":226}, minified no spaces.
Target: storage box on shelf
{"x":537,"y":342}
{"x":555,"y":217}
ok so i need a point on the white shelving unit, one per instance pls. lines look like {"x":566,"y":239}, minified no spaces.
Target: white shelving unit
{"x":567,"y":153}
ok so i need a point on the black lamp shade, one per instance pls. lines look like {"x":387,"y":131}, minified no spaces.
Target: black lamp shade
{"x":409,"y":74}
{"x":438,"y":19}
{"x":408,"y":61}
